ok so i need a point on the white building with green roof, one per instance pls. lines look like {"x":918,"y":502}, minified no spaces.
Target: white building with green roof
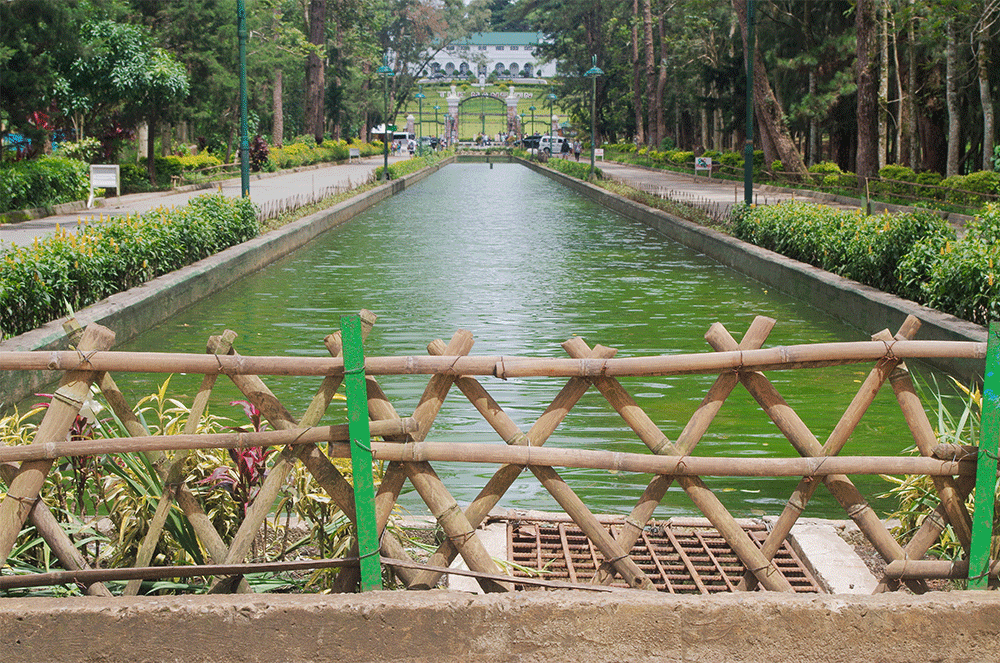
{"x":511,"y":54}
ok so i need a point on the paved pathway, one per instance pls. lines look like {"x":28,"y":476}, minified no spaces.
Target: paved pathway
{"x":716,"y":196}
{"x":268,"y":190}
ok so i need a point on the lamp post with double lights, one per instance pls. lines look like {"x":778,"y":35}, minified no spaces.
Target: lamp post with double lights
{"x":592,"y":74}
{"x":552,"y":116}
{"x":386,"y":73}
{"x":420,"y":114}
{"x":437,"y":127}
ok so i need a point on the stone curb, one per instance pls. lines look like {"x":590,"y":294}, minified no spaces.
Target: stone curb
{"x":524,"y":627}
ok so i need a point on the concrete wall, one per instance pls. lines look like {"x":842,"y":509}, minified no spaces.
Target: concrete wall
{"x":537,"y":626}
{"x":858,"y":305}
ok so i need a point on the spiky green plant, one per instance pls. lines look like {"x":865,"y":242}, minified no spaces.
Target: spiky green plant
{"x":957,"y":422}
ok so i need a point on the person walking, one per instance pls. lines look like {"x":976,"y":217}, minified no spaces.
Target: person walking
{"x":576,"y":149}
{"x":564,"y":150}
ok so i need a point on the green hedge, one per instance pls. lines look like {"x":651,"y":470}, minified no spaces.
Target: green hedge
{"x":42,"y":182}
{"x":407,"y":166}
{"x":577,"y":169}
{"x":913,"y":255}
{"x":305,"y":151}
{"x":39,"y":282}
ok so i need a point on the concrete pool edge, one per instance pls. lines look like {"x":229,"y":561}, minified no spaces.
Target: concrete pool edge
{"x":844,"y":299}
{"x":557,"y":625}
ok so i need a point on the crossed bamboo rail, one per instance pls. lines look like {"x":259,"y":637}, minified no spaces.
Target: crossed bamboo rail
{"x":409,"y":452}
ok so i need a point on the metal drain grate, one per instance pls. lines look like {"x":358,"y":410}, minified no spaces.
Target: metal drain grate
{"x":678,"y":559}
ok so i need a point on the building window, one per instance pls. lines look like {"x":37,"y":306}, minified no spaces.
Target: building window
{"x":513,"y":48}
{"x":499,"y":48}
{"x":482,"y":48}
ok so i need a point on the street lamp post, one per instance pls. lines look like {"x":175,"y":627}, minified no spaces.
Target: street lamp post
{"x":522,"y":130}
{"x":241,"y":29}
{"x":437,"y":127}
{"x":386,"y":73}
{"x":532,"y":109}
{"x":592,"y":74}
{"x":420,"y":113}
{"x":552,"y":98}
{"x":748,"y":146}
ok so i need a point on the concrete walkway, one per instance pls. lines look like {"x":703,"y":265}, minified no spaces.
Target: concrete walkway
{"x":716,"y":196}
{"x":266,"y":189}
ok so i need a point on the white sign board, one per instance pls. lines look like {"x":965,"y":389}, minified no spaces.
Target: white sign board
{"x":104,"y":176}
{"x":599,"y":153}
{"x":703,"y":163}
{"x":353,"y":152}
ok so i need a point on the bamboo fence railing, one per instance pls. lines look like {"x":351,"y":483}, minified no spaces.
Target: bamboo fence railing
{"x":409,"y":453}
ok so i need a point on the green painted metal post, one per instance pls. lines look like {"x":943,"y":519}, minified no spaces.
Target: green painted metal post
{"x":361,"y":452}
{"x":748,"y":147}
{"x":986,"y":465}
{"x":241,"y":29}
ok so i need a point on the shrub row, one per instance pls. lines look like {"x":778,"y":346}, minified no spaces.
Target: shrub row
{"x":577,"y":169}
{"x":916,"y":255}
{"x":407,"y":166}
{"x":42,"y":182}
{"x":304,"y":152}
{"x":53,"y":180}
{"x":39,"y":283}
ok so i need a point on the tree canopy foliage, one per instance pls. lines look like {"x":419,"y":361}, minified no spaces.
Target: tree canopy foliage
{"x":861,"y":83}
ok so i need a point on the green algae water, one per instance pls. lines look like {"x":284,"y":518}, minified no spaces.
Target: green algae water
{"x":524,"y":264}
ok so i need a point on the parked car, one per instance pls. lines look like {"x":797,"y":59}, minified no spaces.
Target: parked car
{"x":551,"y":144}
{"x":531,"y":142}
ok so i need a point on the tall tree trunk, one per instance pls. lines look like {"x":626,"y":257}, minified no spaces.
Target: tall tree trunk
{"x":655,"y":105}
{"x":703,"y":118}
{"x":883,"y":82}
{"x":985,"y":93}
{"x":770,"y":117}
{"x":278,"y":129}
{"x":166,"y":133}
{"x":151,"y":148}
{"x":315,"y":79}
{"x":661,"y":86}
{"x":911,"y":99}
{"x":866,"y":162}
{"x":640,"y":131}
{"x":902,"y":126}
{"x":951,"y":97}
{"x":812,"y":153}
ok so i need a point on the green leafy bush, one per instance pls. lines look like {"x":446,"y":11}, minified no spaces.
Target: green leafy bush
{"x":577,"y":169}
{"x":113,"y":254}
{"x":42,"y":182}
{"x":173,"y":165}
{"x":963,"y":276}
{"x":87,"y":149}
{"x":825,"y":168}
{"x":681,"y":157}
{"x":734,"y":159}
{"x":967,"y":186}
{"x":914,"y":255}
{"x":400,"y":168}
